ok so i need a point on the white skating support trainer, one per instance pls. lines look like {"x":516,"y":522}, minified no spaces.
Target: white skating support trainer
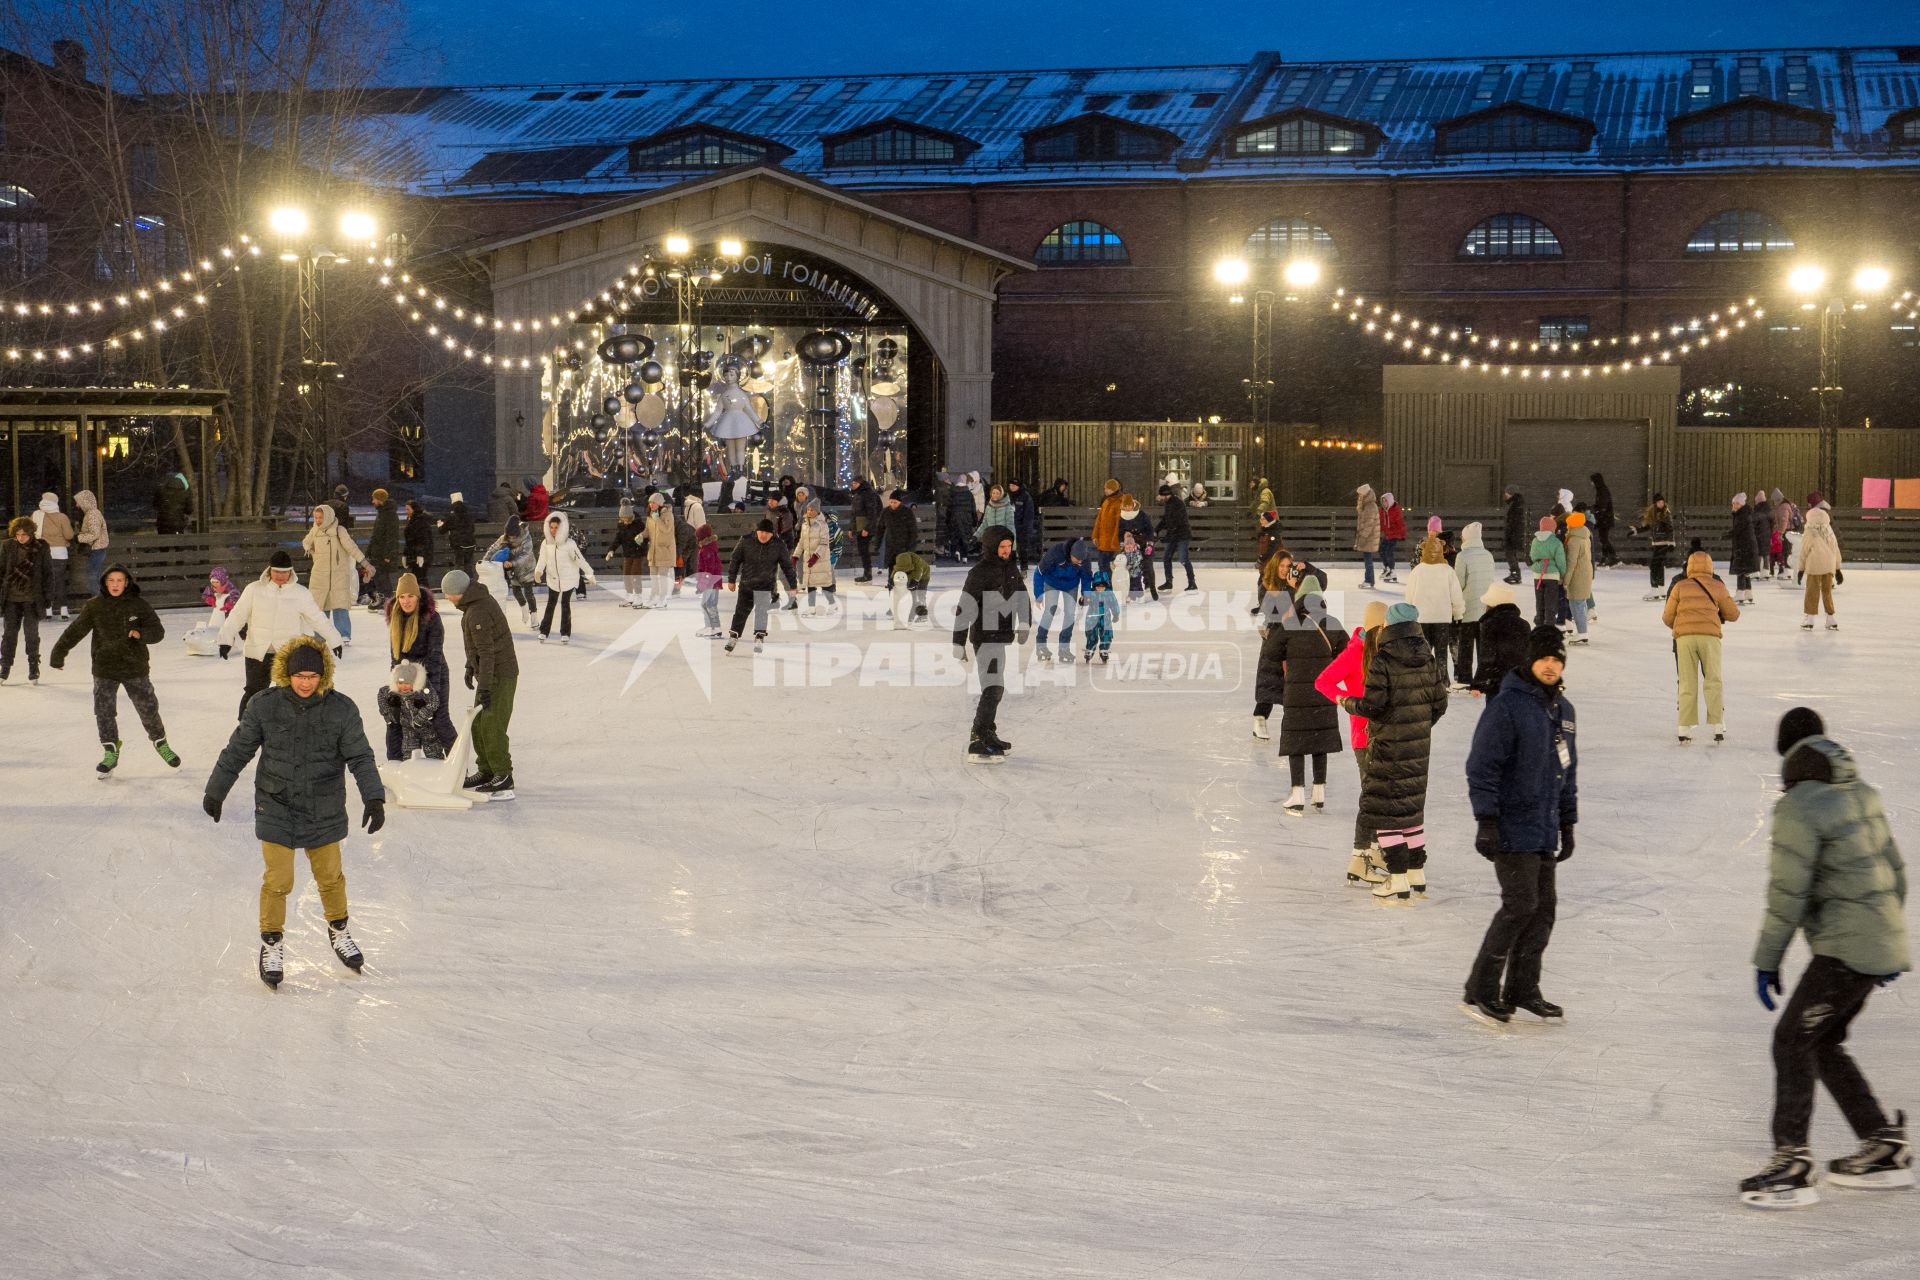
{"x":1260,"y":727}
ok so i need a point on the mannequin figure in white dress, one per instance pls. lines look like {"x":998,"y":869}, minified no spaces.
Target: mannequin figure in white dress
{"x":731,"y":420}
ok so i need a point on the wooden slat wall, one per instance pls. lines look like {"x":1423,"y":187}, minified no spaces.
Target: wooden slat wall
{"x":1711,"y":464}
{"x":1081,"y":452}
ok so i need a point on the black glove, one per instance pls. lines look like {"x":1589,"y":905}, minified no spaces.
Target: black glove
{"x":339,"y":651}
{"x":469,"y":679}
{"x":483,"y":698}
{"x":375,"y":817}
{"x":211,"y":806}
{"x":226,"y":651}
{"x":1566,"y":843}
{"x":1839,"y":578}
{"x":1486,"y":838}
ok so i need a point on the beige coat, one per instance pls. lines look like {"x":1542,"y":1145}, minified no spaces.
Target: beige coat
{"x":660,"y":540}
{"x":332,"y":579}
{"x":93,"y":525}
{"x":816,"y":545}
{"x":52,"y":526}
{"x":1699,"y":603}
{"x":1818,"y":550}
{"x":1366,"y":520}
{"x":1579,"y":579}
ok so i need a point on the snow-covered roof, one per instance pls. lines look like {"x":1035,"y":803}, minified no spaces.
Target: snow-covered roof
{"x":461,"y":139}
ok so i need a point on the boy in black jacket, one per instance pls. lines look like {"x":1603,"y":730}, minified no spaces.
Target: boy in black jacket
{"x":759,"y":560}
{"x":996,"y":610}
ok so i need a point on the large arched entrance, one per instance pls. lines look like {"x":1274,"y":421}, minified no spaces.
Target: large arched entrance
{"x":907,"y":389}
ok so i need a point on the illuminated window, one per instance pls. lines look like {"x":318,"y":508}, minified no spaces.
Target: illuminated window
{"x":1739,"y":231}
{"x":1301,"y":134}
{"x":1081,"y":244}
{"x":895,"y":143}
{"x":701,"y":148}
{"x":1285,"y":239}
{"x":1750,"y":126}
{"x":1510,"y":236}
{"x":1565,"y":328}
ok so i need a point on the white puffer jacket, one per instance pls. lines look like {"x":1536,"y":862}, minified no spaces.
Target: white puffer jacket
{"x":560,"y":564}
{"x":815,"y":553}
{"x":333,"y":579}
{"x":274,"y":614}
{"x":1435,"y":592}
{"x":1818,"y":551}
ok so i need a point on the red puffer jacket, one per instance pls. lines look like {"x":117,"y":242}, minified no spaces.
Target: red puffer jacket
{"x":1393,"y":522}
{"x":1342,"y":679}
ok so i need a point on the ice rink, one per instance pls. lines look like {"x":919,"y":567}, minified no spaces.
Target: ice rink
{"x":774,"y":984}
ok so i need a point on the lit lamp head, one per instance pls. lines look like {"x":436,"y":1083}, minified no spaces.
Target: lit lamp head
{"x":1231,"y":271}
{"x":732,"y":249}
{"x":290,"y":222}
{"x":1871,"y":279}
{"x":1301,"y":273}
{"x":358,"y":227}
{"x":1806,"y":279}
{"x":678,"y":246}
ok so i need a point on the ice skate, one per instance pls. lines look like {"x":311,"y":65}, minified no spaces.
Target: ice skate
{"x":1360,"y":870}
{"x":1833,"y":624}
{"x":345,"y":947}
{"x":1105,"y":657}
{"x":1493,"y":1013}
{"x":1884,"y":1161}
{"x":980,"y":751}
{"x":731,"y":641}
{"x":1296,"y":803}
{"x":110,"y":760}
{"x":997,"y":742}
{"x":1417,"y":881}
{"x":566,"y":639}
{"x":1395,"y":890}
{"x":1686,"y":737}
{"x":1319,"y":797}
{"x":1786,"y":1183}
{"x":1654,"y":595}
{"x":1719,"y":732}
{"x":1066,"y":655}
{"x":1539,"y":1007}
{"x":273,"y":960}
{"x":1806,"y":623}
{"x":759,"y":644}
{"x":498,"y":787}
{"x":1041,"y":654}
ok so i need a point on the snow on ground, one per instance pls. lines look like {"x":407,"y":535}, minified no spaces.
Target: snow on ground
{"x":776,"y":985}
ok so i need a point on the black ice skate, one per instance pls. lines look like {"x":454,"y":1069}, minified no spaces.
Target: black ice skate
{"x":344,"y":946}
{"x":1494,"y":1013}
{"x":981,"y":751}
{"x":1539,"y":1007}
{"x":498,"y":787}
{"x":997,"y":742}
{"x":476,"y":780}
{"x":273,"y":960}
{"x":1786,"y":1183}
{"x":1884,"y":1161}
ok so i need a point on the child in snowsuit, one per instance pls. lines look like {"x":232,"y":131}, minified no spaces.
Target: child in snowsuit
{"x":1103,"y":607}
{"x":124,"y":627}
{"x":911,"y":574}
{"x":409,"y":707}
{"x":220,"y":593}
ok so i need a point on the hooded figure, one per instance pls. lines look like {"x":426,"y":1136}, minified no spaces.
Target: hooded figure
{"x":562,"y":568}
{"x":333,"y":577}
{"x":1405,"y":696}
{"x":170,"y":505}
{"x":1743,"y":561}
{"x":1502,"y":639}
{"x":1295,"y":652}
{"x":52,"y":527}
{"x":1514,"y":534}
{"x":1366,"y":528}
{"x":417,"y":553}
{"x":1817,"y":558}
{"x":410,"y":708}
{"x":994,"y":611}
{"x":124,"y":629}
{"x":1579,"y":579}
{"x":999,"y":512}
{"x":1026,"y":524}
{"x":1697,"y":606}
{"x":93,"y":532}
{"x":1056,"y":495}
{"x":663,"y":551}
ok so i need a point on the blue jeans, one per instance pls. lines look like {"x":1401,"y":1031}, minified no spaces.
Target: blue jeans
{"x":1366,"y":560}
{"x":1389,"y":547}
{"x":343,"y":622}
{"x":1186,"y":561}
{"x":1053,"y":600}
{"x":1579,"y":608}
{"x":96,"y":565}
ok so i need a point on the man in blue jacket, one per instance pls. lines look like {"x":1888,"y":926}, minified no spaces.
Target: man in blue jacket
{"x":1520,"y":778}
{"x":1064,"y":578}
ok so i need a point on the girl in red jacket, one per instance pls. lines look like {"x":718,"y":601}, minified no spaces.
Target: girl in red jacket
{"x":1346,"y":676}
{"x":709,"y":573}
{"x":1393,"y":528}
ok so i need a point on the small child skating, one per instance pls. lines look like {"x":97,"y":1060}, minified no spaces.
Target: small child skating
{"x":124,"y":627}
{"x":1126,"y":568}
{"x":1103,"y":609}
{"x":409,"y":707}
{"x":220,"y":593}
{"x":911,"y":574}
{"x":710,"y":572}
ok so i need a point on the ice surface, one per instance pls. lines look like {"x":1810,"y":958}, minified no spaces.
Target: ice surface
{"x":775,"y":985}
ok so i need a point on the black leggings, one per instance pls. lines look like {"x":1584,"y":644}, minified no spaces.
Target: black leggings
{"x":1809,"y":1044}
{"x":1657,"y":568}
{"x":565,"y":600}
{"x":1263,"y":709}
{"x":1297,"y":769}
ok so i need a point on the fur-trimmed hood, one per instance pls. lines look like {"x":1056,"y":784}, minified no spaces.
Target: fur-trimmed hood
{"x":282,"y":680}
{"x":566,"y":526}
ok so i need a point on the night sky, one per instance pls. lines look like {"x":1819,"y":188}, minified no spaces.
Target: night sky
{"x":490,"y":41}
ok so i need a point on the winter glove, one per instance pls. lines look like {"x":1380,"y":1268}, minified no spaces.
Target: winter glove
{"x":483,"y":698}
{"x":1765,"y":980}
{"x":1486,"y":837}
{"x":1800,"y":577}
{"x":960,"y":654}
{"x":469,"y":679}
{"x":1839,"y":578}
{"x":375,"y":817}
{"x":812,"y":561}
{"x":339,"y":651}
{"x":1566,"y":843}
{"x":211,"y":807}
{"x":226,"y":651}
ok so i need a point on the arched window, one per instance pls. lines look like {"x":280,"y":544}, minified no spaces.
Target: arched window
{"x":1739,"y":231}
{"x":1081,"y":244}
{"x":1510,"y":236}
{"x":142,"y":248}
{"x":1284,"y":239}
{"x":23,"y":235}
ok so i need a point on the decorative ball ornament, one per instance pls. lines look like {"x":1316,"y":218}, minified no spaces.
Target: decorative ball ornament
{"x":625,"y":348}
{"x":652,"y":374}
{"x":823,"y":347}
{"x":600,"y":422}
{"x":573,"y":361}
{"x":702,"y":361}
{"x":610,"y":406}
{"x":633,"y":393}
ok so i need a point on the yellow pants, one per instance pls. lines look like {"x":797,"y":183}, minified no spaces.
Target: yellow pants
{"x":1819,"y":591}
{"x":1699,"y":658}
{"x":278,"y":883}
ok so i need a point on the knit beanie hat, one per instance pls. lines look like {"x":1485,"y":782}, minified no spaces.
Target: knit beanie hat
{"x":1433,"y":524}
{"x":626,"y":508}
{"x":408,"y":585}
{"x":765,"y":526}
{"x":1801,"y":722}
{"x":1497,"y":594}
{"x":1546,"y":642}
{"x":1374,"y":615}
{"x":279,"y":560}
{"x":406,"y":673}
{"x":1546,"y":524}
{"x":898,"y":495}
{"x":1082,"y":550}
{"x":455,"y":583}
{"x":1402,"y":612}
{"x":1740,"y":499}
{"x":306,"y":659}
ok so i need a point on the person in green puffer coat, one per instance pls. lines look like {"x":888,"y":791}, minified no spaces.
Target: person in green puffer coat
{"x":308,"y":736}
{"x":1836,"y":876}
{"x":124,"y":627}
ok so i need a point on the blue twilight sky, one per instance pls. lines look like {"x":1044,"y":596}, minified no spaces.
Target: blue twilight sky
{"x":479,"y":41}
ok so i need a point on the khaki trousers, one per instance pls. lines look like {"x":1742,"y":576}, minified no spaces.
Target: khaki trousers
{"x":278,"y":883}
{"x":1699,"y":658}
{"x":1819,"y":591}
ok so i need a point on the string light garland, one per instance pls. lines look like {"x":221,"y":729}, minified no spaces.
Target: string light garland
{"x":432,"y":312}
{"x":186,"y":308}
{"x":1444,"y":343}
{"x":159,"y":293}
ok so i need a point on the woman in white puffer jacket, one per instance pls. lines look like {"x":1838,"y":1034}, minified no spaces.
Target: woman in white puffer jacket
{"x":562,"y":568}
{"x":1817,"y":558}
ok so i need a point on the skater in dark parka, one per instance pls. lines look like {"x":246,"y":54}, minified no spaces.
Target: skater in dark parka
{"x":758,"y":563}
{"x":1835,"y":875}
{"x":1405,"y":696}
{"x":308,"y":735}
{"x":124,"y":627}
{"x":995,"y":611}
{"x":1521,"y":780}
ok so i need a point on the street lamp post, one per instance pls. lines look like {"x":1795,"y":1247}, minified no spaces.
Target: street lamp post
{"x":690,"y":274}
{"x":307,"y":254}
{"x":1237,"y":277}
{"x":1811,"y":282}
